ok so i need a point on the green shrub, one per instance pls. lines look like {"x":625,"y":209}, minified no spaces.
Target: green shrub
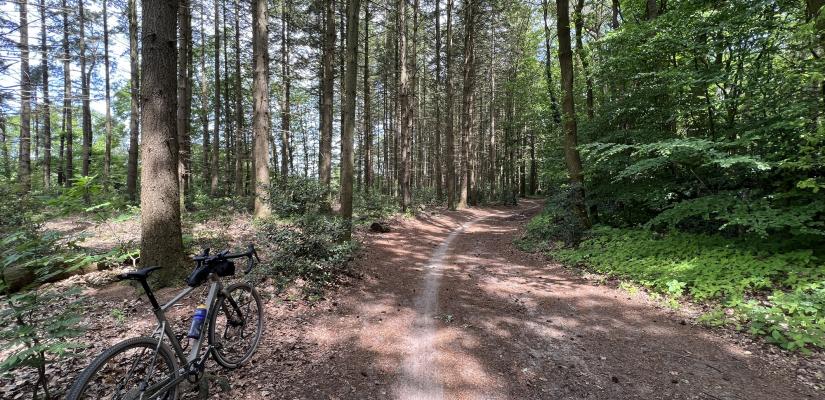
{"x":714,"y":268}
{"x":297,"y":196}
{"x":308,"y":248}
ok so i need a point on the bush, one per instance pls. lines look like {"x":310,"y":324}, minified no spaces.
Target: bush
{"x":712,"y":267}
{"x":308,"y":248}
{"x":556,"y":223}
{"x":297,"y":196}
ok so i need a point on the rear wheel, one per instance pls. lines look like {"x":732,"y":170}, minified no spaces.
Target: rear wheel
{"x":236,"y":326}
{"x":136,"y":368}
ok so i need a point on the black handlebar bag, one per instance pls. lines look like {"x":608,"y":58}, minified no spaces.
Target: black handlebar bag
{"x":221,"y":268}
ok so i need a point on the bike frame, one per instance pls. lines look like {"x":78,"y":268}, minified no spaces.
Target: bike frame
{"x":216,"y":292}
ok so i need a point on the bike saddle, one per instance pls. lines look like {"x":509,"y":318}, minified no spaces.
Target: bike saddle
{"x":139,"y":275}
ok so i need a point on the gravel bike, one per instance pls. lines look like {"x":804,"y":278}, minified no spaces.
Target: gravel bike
{"x":150,"y":367}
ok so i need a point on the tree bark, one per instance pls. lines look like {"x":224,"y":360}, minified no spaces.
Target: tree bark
{"x":286,"y":151}
{"x":260,"y":105}
{"x":327,"y":94}
{"x":184,"y":99}
{"x":24,"y":165}
{"x":652,"y":9}
{"x":615,"y":9}
{"x":4,"y":148}
{"x":367,"y":148}
{"x":134,"y":114}
{"x":548,"y":68}
{"x":439,"y":190}
{"x":404,"y":104}
{"x":579,"y":23}
{"x":161,"y":242}
{"x":468,"y":99}
{"x":348,"y":112}
{"x":47,"y":112}
{"x":67,"y":98}
{"x":206,"y":168}
{"x":107,"y":154}
{"x":448,"y":132}
{"x":85,"y":94}
{"x":239,"y":138}
{"x":571,"y":152}
{"x":216,"y":147}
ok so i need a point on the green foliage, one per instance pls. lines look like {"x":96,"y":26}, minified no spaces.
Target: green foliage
{"x":36,"y":325}
{"x":556,"y":223}
{"x":297,"y":196}
{"x":715,"y":268}
{"x":308,"y":248}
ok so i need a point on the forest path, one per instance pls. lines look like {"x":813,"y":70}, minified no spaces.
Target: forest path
{"x":449,"y":308}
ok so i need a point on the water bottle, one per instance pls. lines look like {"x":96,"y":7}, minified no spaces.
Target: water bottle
{"x":197,"y":322}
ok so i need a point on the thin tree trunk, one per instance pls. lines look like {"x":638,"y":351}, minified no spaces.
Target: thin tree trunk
{"x":4,"y":148}
{"x":348,"y":112}
{"x":107,"y":155}
{"x":578,"y":20}
{"x":216,"y":147}
{"x":615,"y":12}
{"x":67,"y":98}
{"x":439,"y":190}
{"x":493,"y":112}
{"x":239,"y":139}
{"x":184,"y":98}
{"x":534,"y":173}
{"x":132,"y":167}
{"x":24,"y":167}
{"x":47,"y":112}
{"x":228,"y":118}
{"x":404,"y":99}
{"x":206,"y":161}
{"x":85,"y":94}
{"x":571,"y":152}
{"x":450,"y":145}
{"x":327,"y":94}
{"x":652,"y":9}
{"x":286,"y":151}
{"x":161,"y":242}
{"x":367,"y":148}
{"x":548,"y":67}
{"x":468,"y":99}
{"x":260,"y":105}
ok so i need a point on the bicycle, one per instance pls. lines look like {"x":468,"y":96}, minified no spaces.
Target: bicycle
{"x":152,"y":369}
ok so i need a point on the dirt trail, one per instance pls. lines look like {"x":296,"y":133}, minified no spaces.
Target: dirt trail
{"x":449,"y":308}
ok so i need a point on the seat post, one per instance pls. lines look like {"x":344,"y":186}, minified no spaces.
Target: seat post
{"x":150,"y":295}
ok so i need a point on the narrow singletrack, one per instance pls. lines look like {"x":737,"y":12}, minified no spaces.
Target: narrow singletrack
{"x":449,"y":308}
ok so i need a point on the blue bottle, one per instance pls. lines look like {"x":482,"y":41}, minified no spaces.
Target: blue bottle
{"x":197,"y":322}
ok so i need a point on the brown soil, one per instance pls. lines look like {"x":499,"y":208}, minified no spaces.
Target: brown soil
{"x":485,"y":320}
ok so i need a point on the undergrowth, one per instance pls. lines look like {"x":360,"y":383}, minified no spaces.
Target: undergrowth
{"x":773,"y":292}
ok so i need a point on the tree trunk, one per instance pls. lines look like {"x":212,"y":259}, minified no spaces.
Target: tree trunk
{"x":439,"y":191}
{"x":4,"y":148}
{"x":286,"y":153}
{"x":107,"y":155}
{"x":239,"y":139}
{"x":652,"y":9}
{"x":85,"y":94}
{"x":134,"y":114}
{"x":579,"y":22}
{"x":367,"y":148}
{"x":216,"y":147}
{"x":404,"y":104}
{"x":206,"y":169}
{"x":615,"y":11}
{"x":161,"y":242}
{"x":67,"y":98}
{"x":548,"y":68}
{"x":493,"y":114}
{"x":571,"y":152}
{"x":448,"y":132}
{"x":534,"y":173}
{"x":47,"y":111}
{"x":184,"y":98}
{"x":24,"y":168}
{"x":468,"y":98}
{"x":327,"y":94}
{"x":260,"y":105}
{"x":348,"y":112}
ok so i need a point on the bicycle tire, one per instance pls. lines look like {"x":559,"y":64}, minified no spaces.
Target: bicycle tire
{"x":81,"y":385}
{"x":217,"y":346}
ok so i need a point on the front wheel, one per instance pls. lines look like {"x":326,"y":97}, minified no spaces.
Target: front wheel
{"x":137,"y":368}
{"x":236,"y":326}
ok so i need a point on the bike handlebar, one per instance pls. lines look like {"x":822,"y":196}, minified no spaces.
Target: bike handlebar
{"x":225,"y":255}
